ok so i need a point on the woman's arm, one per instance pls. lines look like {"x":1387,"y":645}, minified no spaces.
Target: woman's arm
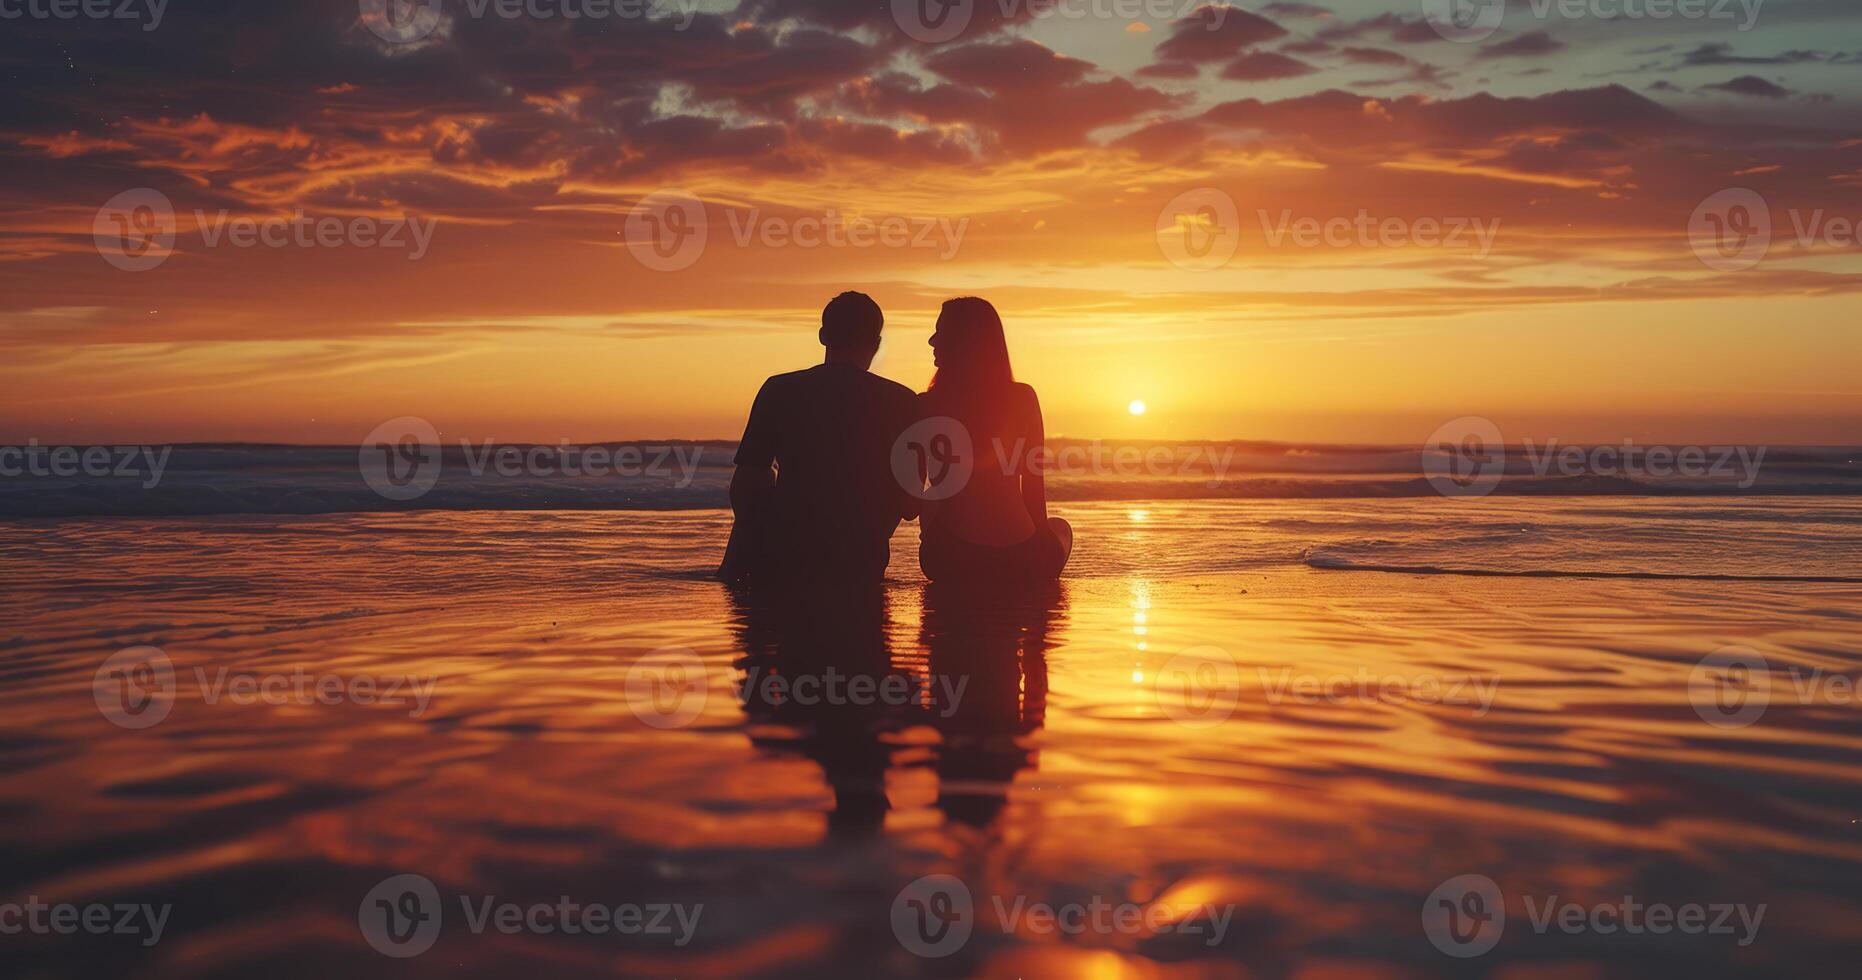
{"x":1034,"y":479}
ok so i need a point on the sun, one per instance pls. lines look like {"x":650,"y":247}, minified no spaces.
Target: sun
{"x":1136,"y":407}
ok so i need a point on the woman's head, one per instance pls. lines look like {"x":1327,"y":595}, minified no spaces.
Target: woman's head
{"x":968,"y":346}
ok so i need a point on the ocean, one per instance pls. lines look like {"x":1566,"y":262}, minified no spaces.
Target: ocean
{"x":1284,"y":731}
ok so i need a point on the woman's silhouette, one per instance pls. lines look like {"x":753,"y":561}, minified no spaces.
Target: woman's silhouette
{"x":995,"y":528}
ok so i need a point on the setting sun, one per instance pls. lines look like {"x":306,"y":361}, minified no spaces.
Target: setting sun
{"x":1136,"y":407}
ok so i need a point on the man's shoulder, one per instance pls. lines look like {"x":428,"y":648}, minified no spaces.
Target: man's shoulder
{"x":788,"y":379}
{"x":892,"y":388}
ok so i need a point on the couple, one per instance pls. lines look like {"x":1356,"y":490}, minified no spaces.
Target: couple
{"x":817,"y":494}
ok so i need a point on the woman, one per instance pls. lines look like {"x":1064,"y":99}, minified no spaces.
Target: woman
{"x":995,"y":528}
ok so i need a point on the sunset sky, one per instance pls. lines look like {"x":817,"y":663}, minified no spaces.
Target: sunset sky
{"x":1053,"y":144}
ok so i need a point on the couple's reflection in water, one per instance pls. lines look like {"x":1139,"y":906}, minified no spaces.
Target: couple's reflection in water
{"x":825,"y":673}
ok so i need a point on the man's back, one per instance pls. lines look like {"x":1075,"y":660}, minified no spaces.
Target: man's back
{"x":830,"y":431}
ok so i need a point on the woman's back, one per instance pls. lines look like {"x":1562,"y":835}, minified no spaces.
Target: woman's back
{"x":1005,"y":436}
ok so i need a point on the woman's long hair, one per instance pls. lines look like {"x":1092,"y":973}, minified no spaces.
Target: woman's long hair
{"x":974,"y":352}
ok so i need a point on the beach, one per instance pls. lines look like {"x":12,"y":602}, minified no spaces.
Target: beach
{"x":1222,"y":715}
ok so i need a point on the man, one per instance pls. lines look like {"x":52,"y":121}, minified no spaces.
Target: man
{"x":814,"y":495}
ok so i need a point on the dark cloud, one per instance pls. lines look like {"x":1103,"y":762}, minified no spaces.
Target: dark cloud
{"x":1288,"y":10}
{"x":1531,"y":44}
{"x":1261,"y":66}
{"x":1216,"y":33}
{"x":983,"y":18}
{"x":1171,"y":69}
{"x":1721,"y":53}
{"x":1307,"y":47}
{"x":1752,"y":86}
{"x":1057,"y":100}
{"x":1373,"y":56}
{"x":1403,"y":30}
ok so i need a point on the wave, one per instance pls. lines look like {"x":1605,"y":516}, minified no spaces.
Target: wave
{"x":202,"y":480}
{"x":1337,"y":564}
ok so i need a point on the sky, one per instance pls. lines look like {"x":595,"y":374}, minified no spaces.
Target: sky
{"x":1593,"y":221}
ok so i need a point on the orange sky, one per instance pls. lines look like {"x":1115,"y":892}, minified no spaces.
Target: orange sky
{"x":1050,"y":150}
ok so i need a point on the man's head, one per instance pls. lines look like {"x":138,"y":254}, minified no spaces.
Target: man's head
{"x":850,"y":328}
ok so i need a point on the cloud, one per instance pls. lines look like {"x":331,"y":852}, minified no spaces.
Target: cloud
{"x":1720,"y":53}
{"x":1170,"y":69}
{"x":1403,"y":30}
{"x":1290,"y":10}
{"x":1373,"y":56}
{"x":1532,"y":44}
{"x":1216,"y":33}
{"x":1261,"y":66}
{"x":1057,"y":100}
{"x":1752,"y":86}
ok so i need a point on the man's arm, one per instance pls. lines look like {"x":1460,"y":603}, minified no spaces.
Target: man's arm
{"x":910,"y":506}
{"x":755,"y":475}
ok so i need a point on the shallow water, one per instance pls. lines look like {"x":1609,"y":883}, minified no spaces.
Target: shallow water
{"x":1208,"y":712}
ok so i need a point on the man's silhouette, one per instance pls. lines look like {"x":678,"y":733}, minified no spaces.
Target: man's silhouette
{"x":814,"y":494}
